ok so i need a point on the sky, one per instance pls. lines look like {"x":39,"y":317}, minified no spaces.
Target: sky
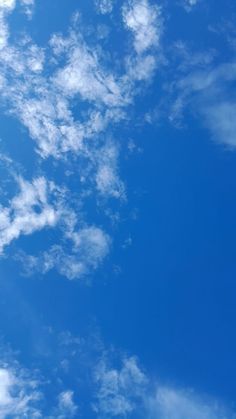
{"x":117,"y":209}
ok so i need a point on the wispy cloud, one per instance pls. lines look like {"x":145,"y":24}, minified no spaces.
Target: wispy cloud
{"x":182,"y":404}
{"x":66,"y":405}
{"x":129,"y":392}
{"x":84,"y":252}
{"x":118,"y":389}
{"x":104,"y":6}
{"x":205,"y":90}
{"x":190,"y":4}
{"x":115,"y":386}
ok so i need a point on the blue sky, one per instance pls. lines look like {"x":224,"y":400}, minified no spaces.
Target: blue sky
{"x":117,"y":209}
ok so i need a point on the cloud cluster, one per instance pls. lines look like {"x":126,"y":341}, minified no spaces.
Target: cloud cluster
{"x":84,"y":76}
{"x":128,"y":392}
{"x":118,"y":389}
{"x":113,"y":385}
{"x":19,"y":396}
{"x":84,"y":252}
{"x":41,"y":97}
{"x":24,"y":392}
{"x":39,"y":205}
{"x":45,"y":88}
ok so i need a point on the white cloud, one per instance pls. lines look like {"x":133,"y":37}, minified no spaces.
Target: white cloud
{"x":127,"y":390}
{"x":29,"y":211}
{"x":90,"y":245}
{"x":220,"y":119}
{"x":143,"y":20}
{"x":22,"y":396}
{"x":18,"y":394}
{"x":176,"y":404}
{"x":43,"y":103}
{"x":107,"y":178}
{"x":84,"y":75}
{"x":28,"y":6}
{"x":118,"y":389}
{"x":104,"y":6}
{"x":189,"y":4}
{"x":68,"y":95}
{"x":41,"y":205}
{"x":7,"y":4}
{"x":84,"y":251}
{"x":10,"y":4}
{"x":27,"y":2}
{"x":208,"y":94}
{"x":3,"y":31}
{"x":66,"y":405}
{"x":141,"y":68}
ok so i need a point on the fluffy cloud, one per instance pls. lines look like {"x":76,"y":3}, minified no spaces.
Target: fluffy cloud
{"x":7,"y":4}
{"x":143,"y":20}
{"x":29,"y":211}
{"x":145,"y":23}
{"x":19,"y":396}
